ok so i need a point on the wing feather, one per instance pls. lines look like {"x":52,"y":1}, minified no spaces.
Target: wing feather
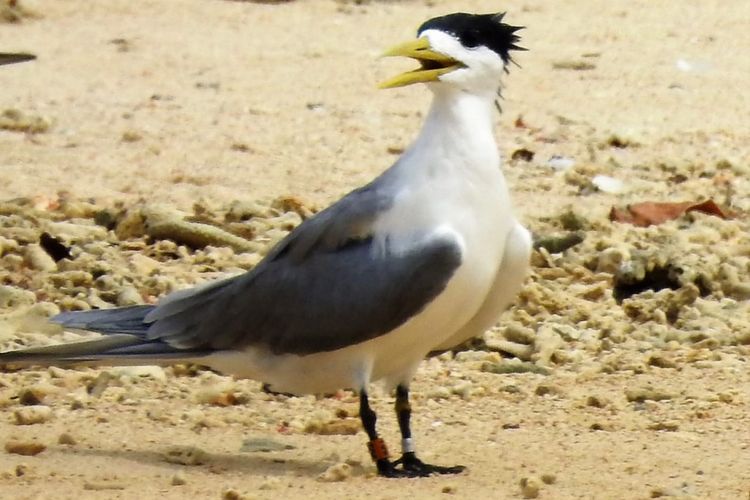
{"x":322,"y":288}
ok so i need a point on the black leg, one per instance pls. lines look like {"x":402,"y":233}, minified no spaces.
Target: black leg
{"x":412,"y":465}
{"x":376,"y":445}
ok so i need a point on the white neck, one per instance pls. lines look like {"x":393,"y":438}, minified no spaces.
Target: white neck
{"x":450,"y":176}
{"x":457,"y":136}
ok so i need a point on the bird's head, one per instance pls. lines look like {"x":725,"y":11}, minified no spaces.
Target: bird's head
{"x":468,"y":51}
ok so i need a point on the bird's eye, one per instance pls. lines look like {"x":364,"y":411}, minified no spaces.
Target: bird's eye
{"x":469,"y":39}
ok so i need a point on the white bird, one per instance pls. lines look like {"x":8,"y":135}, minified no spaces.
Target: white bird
{"x":422,"y":258}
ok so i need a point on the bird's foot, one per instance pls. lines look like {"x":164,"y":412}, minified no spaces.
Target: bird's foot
{"x":411,"y":466}
{"x":388,"y":469}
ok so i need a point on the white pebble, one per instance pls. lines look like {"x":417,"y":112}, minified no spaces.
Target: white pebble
{"x":607,"y":184}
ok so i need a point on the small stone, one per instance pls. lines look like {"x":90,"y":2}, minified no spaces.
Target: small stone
{"x":30,"y":415}
{"x":548,"y":340}
{"x":558,"y":243}
{"x":463,"y":390}
{"x":351,"y":411}
{"x":131,"y":136}
{"x":449,"y":489}
{"x":218,"y":394}
{"x":166,"y":224}
{"x":21,"y":470}
{"x":12,"y":297}
{"x":142,"y":264}
{"x":185,"y":455}
{"x":726,"y":397}
{"x":131,"y":225}
{"x":336,"y":473}
{"x":66,"y":438}
{"x":240,"y":211}
{"x":520,"y":351}
{"x":77,"y":403}
{"x":549,"y":478}
{"x":439,"y":392}
{"x":293,"y":204}
{"x":607,"y":184}
{"x":513,"y":367}
{"x":610,"y":260}
{"x":179,"y":479}
{"x":560,"y":163}
{"x":96,"y":387}
{"x":29,"y":397}
{"x":596,"y":401}
{"x":26,"y":448}
{"x":233,"y":494}
{"x":640,"y":395}
{"x":16,"y":121}
{"x":548,"y":390}
{"x":668,"y":426}
{"x":519,"y":334}
{"x":129,"y":296}
{"x":662,"y":361}
{"x":106,"y":217}
{"x":529,"y":487}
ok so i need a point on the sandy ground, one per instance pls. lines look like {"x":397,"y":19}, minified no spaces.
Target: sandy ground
{"x":208,"y":101}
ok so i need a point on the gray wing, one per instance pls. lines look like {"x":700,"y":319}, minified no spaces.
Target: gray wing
{"x":322,"y":288}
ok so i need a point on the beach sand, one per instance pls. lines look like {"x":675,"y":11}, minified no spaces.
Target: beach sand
{"x":249,"y":116}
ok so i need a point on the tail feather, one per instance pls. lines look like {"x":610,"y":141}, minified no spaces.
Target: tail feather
{"x":111,"y":350}
{"x":128,"y":320}
{"x":123,"y":342}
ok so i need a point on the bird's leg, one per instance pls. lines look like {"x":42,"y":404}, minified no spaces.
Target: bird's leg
{"x":376,"y":445}
{"x":412,"y":465}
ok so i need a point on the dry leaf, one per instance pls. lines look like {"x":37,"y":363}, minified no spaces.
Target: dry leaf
{"x":653,"y":212}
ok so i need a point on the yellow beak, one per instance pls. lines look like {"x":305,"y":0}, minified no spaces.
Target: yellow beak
{"x":434,"y":64}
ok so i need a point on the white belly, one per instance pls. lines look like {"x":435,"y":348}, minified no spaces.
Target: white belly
{"x":506,"y":285}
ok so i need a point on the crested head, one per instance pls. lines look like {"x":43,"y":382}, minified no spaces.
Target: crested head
{"x":468,"y":52}
{"x":475,"y":30}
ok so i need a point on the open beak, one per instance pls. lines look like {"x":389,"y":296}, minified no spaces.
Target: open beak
{"x":7,"y":58}
{"x":434,"y":64}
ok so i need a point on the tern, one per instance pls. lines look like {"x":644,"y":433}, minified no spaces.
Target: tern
{"x":423,"y":258}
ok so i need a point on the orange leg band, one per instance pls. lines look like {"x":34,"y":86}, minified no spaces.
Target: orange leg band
{"x":378,"y":450}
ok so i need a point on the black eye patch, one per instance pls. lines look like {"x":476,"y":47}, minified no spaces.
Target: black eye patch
{"x":475,"y":30}
{"x":469,"y":39}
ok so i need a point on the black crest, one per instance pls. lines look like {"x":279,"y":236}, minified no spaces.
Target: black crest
{"x":474,"y":30}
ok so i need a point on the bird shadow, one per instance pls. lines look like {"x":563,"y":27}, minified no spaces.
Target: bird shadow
{"x":267,"y":464}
